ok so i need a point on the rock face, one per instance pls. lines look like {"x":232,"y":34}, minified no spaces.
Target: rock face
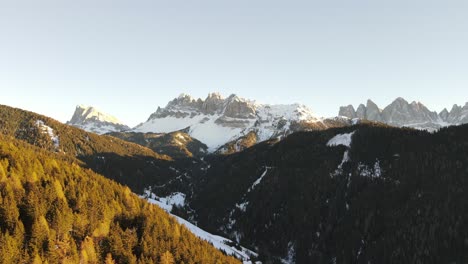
{"x":402,"y":113}
{"x":373,"y":112}
{"x":347,"y":111}
{"x":216,"y":120}
{"x":93,"y":120}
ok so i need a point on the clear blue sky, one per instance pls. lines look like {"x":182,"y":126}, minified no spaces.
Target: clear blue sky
{"x":129,"y":57}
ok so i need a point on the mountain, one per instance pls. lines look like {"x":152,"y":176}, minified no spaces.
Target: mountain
{"x":126,"y":162}
{"x":362,"y":193}
{"x":93,"y":120}
{"x":176,"y":144}
{"x":404,"y":114}
{"x":217,"y":121}
{"x":50,"y":134}
{"x":54,"y":211}
{"x":368,"y":193}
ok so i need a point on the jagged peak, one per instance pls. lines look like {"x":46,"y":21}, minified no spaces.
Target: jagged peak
{"x":84,"y":113}
{"x":455,"y":107}
{"x":371,"y":103}
{"x":214,"y":95}
{"x":400,"y":99}
{"x":185,"y":96}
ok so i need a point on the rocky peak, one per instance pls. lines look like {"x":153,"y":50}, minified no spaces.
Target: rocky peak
{"x":212,"y":104}
{"x":184,"y":100}
{"x":236,"y":107}
{"x":361,"y":112}
{"x":414,"y":114}
{"x":347,"y":111}
{"x":454,"y":114}
{"x":84,"y":113}
{"x":373,"y":112}
{"x":91,"y":119}
{"x":217,"y":120}
{"x":444,"y":114}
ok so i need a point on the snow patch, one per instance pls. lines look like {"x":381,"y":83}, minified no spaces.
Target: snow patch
{"x":258,"y":180}
{"x":219,"y":242}
{"x":48,"y":130}
{"x":345,"y":159}
{"x":341,"y":139}
{"x":370,"y":172}
{"x":290,"y":259}
{"x":168,"y":202}
{"x":242,"y":206}
{"x":374,"y":172}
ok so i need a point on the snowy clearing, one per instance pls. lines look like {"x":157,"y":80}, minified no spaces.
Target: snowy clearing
{"x":341,"y":139}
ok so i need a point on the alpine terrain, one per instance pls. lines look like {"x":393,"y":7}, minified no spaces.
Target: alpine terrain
{"x":93,"y":120}
{"x":402,"y":113}
{"x":267,"y":183}
{"x":217,"y":121}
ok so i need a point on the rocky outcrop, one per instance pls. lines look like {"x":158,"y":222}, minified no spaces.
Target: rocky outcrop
{"x":373,"y":112}
{"x":239,"y":108}
{"x":347,"y":111}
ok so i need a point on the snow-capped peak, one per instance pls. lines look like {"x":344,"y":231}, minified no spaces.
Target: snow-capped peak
{"x":91,"y":119}
{"x":91,"y":113}
{"x":218,"y":120}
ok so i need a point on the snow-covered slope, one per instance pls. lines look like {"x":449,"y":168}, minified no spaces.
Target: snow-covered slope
{"x":93,"y":120}
{"x":218,"y":242}
{"x":404,"y":114}
{"x":216,"y":121}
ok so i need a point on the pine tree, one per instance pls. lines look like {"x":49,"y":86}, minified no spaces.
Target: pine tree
{"x":167,"y":258}
{"x":109,"y":259}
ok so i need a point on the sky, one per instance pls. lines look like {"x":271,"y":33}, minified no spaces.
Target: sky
{"x":129,"y":57}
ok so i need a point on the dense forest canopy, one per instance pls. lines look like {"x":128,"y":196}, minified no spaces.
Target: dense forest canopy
{"x":54,"y":211}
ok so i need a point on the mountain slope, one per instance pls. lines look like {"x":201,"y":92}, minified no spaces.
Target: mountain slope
{"x":50,"y":134}
{"x":366,"y":193}
{"x":93,"y":120}
{"x":54,"y":211}
{"x":216,"y":121}
{"x":176,"y":144}
{"x":128,"y":163}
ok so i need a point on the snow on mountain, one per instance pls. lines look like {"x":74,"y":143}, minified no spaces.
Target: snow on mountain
{"x":93,"y":120}
{"x":404,"y":114}
{"x":50,"y":132}
{"x":217,"y":120}
{"x":341,"y":139}
{"x":218,"y":242}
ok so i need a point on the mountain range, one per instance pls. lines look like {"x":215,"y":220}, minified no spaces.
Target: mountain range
{"x":363,"y":192}
{"x":402,"y":113}
{"x":228,"y":125}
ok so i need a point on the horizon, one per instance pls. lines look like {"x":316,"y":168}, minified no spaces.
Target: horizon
{"x":224,"y":96}
{"x":128,"y":58}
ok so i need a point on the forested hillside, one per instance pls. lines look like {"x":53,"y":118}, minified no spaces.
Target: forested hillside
{"x":392,"y":196}
{"x":367,"y":193}
{"x":50,"y":134}
{"x":128,"y":163}
{"x":54,"y":211}
{"x":176,"y":144}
